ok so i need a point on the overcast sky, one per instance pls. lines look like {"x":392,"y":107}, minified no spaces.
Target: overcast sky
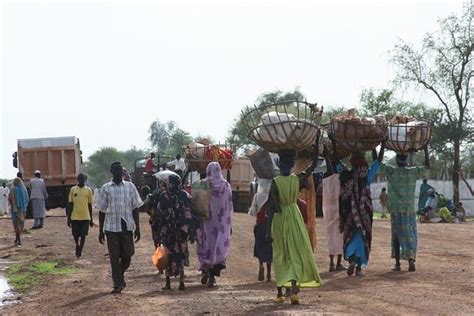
{"x":104,"y":71}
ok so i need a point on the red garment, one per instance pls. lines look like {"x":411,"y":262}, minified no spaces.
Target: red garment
{"x":261,"y":214}
{"x":303,"y":209}
{"x":150,"y":166}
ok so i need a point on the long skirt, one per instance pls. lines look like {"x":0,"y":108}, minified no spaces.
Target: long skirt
{"x":355,"y":250}
{"x":331,"y":188}
{"x":39,"y":208}
{"x":404,"y":230}
{"x":262,"y":249}
{"x":293,"y":257}
{"x":18,"y":220}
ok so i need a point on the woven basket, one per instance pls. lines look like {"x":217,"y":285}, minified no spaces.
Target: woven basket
{"x":408,"y":137}
{"x":356,"y":136}
{"x":291,"y":125}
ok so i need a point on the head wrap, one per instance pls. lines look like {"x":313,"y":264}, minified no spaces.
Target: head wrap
{"x":214,"y":176}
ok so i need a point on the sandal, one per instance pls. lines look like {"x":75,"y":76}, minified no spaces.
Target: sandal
{"x":279,"y":300}
{"x":397,"y":267}
{"x":411,"y":266}
{"x":295,"y":300}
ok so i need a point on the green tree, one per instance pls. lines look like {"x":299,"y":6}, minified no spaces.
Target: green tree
{"x":238,"y":132}
{"x":167,"y":138}
{"x":97,"y":167}
{"x":443,"y":66}
{"x":129,"y":156}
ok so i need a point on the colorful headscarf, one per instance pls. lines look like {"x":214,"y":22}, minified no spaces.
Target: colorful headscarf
{"x":214,"y":176}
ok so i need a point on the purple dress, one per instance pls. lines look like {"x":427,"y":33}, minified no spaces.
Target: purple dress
{"x":213,"y":240}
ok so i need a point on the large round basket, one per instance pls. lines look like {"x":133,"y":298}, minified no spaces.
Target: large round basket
{"x":291,"y":125}
{"x":408,"y":137}
{"x":358,"y":136}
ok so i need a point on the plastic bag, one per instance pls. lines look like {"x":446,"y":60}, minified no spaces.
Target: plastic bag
{"x":160,"y":258}
{"x":200,"y":198}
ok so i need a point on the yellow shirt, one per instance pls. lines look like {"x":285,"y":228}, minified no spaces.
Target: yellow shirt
{"x":81,"y":198}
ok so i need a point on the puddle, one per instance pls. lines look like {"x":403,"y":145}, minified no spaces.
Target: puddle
{"x":7,"y":295}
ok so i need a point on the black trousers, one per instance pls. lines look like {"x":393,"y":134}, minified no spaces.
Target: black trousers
{"x":121,"y":250}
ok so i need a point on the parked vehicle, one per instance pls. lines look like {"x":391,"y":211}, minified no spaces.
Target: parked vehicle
{"x":59,"y":160}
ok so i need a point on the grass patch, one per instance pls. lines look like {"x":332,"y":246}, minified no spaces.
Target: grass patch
{"x":24,"y":276}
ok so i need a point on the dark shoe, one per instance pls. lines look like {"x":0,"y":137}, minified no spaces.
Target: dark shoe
{"x":117,"y":290}
{"x":181,"y":286}
{"x":269,"y":278}
{"x":40,"y":226}
{"x":411,"y":266}
{"x":167,"y":287}
{"x":212,"y":282}
{"x":205,"y":277}
{"x":332,"y":268}
{"x":350,"y":270}
{"x":35,"y":227}
{"x":261,"y":274}
{"x":340,"y":267}
{"x":397,"y":267}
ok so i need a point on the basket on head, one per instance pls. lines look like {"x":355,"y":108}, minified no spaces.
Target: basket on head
{"x":408,"y":136}
{"x":290,"y":125}
{"x":357,"y":135}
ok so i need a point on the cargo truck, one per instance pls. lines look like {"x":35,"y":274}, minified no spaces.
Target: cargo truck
{"x":58,"y":158}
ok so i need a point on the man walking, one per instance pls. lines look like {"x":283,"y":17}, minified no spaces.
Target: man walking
{"x":38,"y":198}
{"x":119,"y":222}
{"x":384,"y":202}
{"x":79,"y":213}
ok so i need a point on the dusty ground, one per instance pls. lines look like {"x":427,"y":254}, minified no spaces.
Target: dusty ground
{"x":443,"y":283}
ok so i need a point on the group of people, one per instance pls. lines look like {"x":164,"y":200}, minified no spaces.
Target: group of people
{"x":173,"y":224}
{"x":15,"y":198}
{"x":285,"y":235}
{"x":282,"y":239}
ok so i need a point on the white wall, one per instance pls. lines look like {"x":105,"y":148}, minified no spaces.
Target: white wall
{"x":443,"y":187}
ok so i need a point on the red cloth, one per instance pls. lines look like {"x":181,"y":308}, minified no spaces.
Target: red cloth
{"x":261,"y":214}
{"x":150,"y":166}
{"x":214,"y":153}
{"x":303,"y":209}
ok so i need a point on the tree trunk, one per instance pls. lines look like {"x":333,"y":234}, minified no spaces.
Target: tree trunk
{"x":456,"y":170}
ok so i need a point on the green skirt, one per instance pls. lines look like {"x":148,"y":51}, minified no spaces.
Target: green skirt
{"x":292,"y":253}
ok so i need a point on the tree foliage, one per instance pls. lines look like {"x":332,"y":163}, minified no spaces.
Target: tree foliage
{"x":97,"y":166}
{"x":167,"y":138}
{"x":443,"y":66}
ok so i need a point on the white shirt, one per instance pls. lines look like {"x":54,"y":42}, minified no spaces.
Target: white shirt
{"x":178,"y":164}
{"x":118,"y":201}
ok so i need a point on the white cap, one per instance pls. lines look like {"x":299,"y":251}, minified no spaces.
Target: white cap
{"x":37,"y":171}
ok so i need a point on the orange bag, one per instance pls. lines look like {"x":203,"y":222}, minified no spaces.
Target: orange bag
{"x":160,"y":258}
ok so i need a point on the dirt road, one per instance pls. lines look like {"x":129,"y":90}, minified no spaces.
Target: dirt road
{"x":443,"y":283}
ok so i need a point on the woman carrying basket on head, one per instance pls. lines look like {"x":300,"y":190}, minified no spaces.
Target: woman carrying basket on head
{"x":293,"y":258}
{"x":356,"y":210}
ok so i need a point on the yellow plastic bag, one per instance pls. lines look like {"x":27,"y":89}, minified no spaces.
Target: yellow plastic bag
{"x":160,"y":258}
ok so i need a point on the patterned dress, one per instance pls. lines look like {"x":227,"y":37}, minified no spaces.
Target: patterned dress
{"x":401,"y":197}
{"x":214,"y":236}
{"x":177,"y":224}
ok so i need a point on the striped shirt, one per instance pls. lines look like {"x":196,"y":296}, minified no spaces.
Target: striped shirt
{"x":118,"y":201}
{"x":401,"y":187}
